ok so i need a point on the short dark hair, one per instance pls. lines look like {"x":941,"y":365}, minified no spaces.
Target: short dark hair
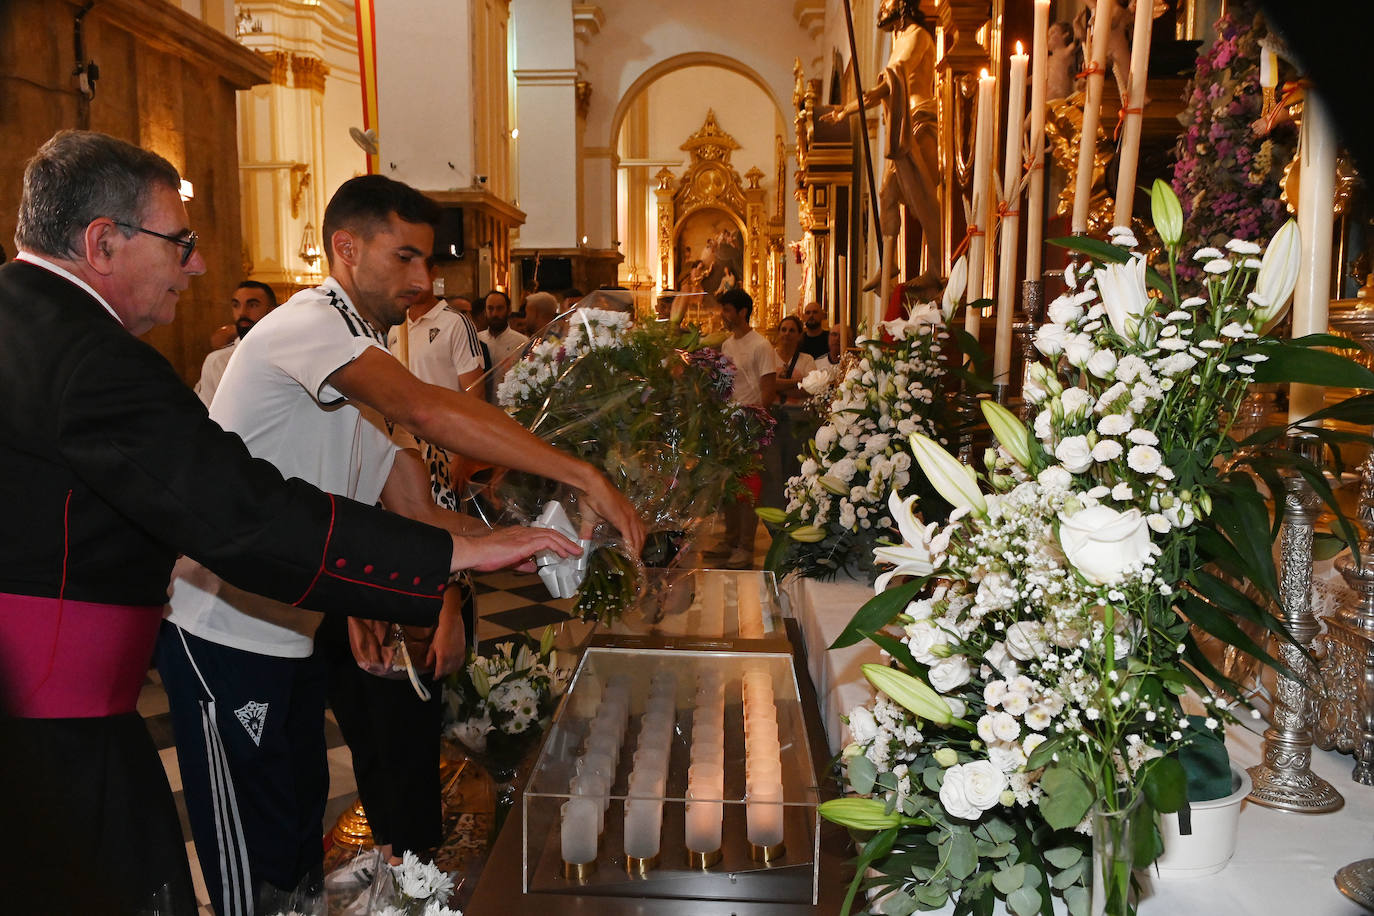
{"x":795,"y":320}
{"x":263,"y":288}
{"x":79,"y":176}
{"x":361,"y":204}
{"x":497,"y":292}
{"x":737,"y":299}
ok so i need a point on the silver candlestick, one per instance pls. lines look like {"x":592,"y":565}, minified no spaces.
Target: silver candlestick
{"x":1023,"y":332}
{"x":1285,"y":779}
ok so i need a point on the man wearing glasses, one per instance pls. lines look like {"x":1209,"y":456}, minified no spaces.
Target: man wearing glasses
{"x":110,"y":467}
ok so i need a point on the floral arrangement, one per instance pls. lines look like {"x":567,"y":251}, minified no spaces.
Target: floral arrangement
{"x":649,"y":404}
{"x":1226,"y":183}
{"x":501,"y":700}
{"x":1042,"y":641}
{"x":416,"y":888}
{"x":837,"y":506}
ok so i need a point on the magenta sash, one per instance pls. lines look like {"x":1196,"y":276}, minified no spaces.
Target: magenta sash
{"x":63,"y":659}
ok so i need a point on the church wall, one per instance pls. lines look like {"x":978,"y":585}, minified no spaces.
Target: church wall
{"x":546,"y":115}
{"x":167,"y":82}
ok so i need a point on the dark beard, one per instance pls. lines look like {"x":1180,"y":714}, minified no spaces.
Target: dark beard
{"x":243,"y":326}
{"x":498,"y":327}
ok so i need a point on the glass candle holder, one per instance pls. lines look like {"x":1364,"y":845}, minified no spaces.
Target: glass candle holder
{"x":763,"y":816}
{"x":578,"y":831}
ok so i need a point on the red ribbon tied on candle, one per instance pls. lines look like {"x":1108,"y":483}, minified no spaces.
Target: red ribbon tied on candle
{"x":963,"y":245}
{"x":1093,"y":67}
{"x":1121,"y":119}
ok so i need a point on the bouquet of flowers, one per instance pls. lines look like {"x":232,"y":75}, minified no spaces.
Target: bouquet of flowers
{"x":648,"y":404}
{"x":413,"y":888}
{"x":1043,"y":639}
{"x":837,"y":506}
{"x":501,"y":700}
{"x":1226,"y":183}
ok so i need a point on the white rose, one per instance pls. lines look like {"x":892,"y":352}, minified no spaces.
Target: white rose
{"x":862,"y":726}
{"x":1049,"y":340}
{"x":1000,"y":661}
{"x":1075,"y":454}
{"x":1102,"y":363}
{"x":921,"y":638}
{"x":1078,"y":349}
{"x":1076,"y":403}
{"x":1103,"y":543}
{"x":1064,"y":310}
{"x":1026,"y":640}
{"x":949,"y":673}
{"x":970,"y":789}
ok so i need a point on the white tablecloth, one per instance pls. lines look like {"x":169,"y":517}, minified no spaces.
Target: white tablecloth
{"x":1284,"y":863}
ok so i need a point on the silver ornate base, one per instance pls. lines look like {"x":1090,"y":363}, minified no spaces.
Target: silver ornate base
{"x":1300,"y":791}
{"x":1356,"y":881}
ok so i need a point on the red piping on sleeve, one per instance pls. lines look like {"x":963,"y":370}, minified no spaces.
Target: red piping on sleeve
{"x":324,"y":553}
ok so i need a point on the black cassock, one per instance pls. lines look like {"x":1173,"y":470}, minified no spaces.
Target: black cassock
{"x":110,"y":468}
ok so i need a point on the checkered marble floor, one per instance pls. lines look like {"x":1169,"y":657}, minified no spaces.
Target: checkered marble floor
{"x":507,"y":604}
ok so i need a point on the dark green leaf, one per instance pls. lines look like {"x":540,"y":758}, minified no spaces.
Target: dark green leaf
{"x":1323,"y":340}
{"x":1231,"y":600}
{"x":1208,"y":619}
{"x":899,"y":651}
{"x":1313,"y":367}
{"x":1166,"y":785}
{"x":1146,"y":842}
{"x":1326,"y":546}
{"x":878,"y":612}
{"x":1042,"y":755}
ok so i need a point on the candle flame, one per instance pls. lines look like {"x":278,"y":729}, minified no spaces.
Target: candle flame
{"x":983,"y":74}
{"x":1019,"y":50}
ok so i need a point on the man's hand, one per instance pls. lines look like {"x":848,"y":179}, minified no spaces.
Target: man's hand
{"x":448,"y":650}
{"x":367,"y":639}
{"x":609,"y":503}
{"x":508,"y":547}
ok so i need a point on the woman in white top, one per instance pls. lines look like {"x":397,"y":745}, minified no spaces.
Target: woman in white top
{"x":795,"y":364}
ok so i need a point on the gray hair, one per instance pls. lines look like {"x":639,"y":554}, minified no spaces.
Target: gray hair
{"x":79,"y":176}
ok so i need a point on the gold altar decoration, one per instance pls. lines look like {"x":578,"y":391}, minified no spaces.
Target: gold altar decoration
{"x":1062,"y":129}
{"x":710,"y":209}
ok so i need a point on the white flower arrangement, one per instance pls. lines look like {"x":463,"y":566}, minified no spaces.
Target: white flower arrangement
{"x":836,"y":510}
{"x":506,"y":694}
{"x":1044,"y":636}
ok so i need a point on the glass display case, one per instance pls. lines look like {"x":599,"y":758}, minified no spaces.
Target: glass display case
{"x":675,"y":773}
{"x":703,"y":608}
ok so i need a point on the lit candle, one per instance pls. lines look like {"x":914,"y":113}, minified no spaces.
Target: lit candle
{"x":750,"y":609}
{"x":1133,"y":115}
{"x":1269,"y":69}
{"x":1092,"y":104}
{"x":763,"y":815}
{"x":984,"y":135}
{"x":703,"y":823}
{"x":1312,"y":296}
{"x":1009,"y":236}
{"x":1035,"y":191}
{"x":643,"y":821}
{"x":578,"y":831}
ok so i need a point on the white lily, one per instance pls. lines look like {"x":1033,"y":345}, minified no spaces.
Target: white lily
{"x":954,"y":290}
{"x":1123,"y":295}
{"x":913,"y":557}
{"x":1278,"y":274}
{"x":952,"y":480}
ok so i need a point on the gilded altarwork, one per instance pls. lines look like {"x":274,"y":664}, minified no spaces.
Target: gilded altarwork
{"x":715,"y":231}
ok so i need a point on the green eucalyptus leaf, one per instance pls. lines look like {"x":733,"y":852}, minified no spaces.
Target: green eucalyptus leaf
{"x":1009,"y":879}
{"x":900,"y":903}
{"x":1064,"y":856}
{"x":1067,"y":798}
{"x":1070,"y":876}
{"x":861,"y":773}
{"x":963,"y":855}
{"x":1024,"y":902}
{"x":1045,"y":752}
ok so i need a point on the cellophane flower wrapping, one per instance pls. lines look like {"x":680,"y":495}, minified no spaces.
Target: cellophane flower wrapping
{"x":649,"y":404}
{"x":1041,"y":640}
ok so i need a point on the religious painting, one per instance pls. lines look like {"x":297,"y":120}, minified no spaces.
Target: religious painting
{"x":710,"y":253}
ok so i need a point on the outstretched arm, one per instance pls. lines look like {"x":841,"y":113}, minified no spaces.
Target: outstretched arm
{"x":465,"y":424}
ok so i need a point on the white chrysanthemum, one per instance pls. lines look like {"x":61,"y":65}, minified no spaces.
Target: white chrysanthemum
{"x":1141,"y":436}
{"x":1114,"y":424}
{"x":1106,"y":450}
{"x":1208,"y":253}
{"x":1241,"y":246}
{"x":1218,"y":266}
{"x":1143,"y":459}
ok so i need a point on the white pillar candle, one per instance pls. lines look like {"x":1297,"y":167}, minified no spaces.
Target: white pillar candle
{"x":1035,"y":190}
{"x":1092,"y":105}
{"x":763,"y":815}
{"x":1133,"y":115}
{"x":703,"y":825}
{"x":578,"y":831}
{"x":1317,"y":185}
{"x":984,"y":136}
{"x":1008,"y":235}
{"x":750,"y":608}
{"x":641,"y":828}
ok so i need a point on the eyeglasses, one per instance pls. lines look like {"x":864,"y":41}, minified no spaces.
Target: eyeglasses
{"x":187,"y":242}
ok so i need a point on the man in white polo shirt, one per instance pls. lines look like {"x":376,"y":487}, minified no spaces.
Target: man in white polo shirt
{"x":314,"y":391}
